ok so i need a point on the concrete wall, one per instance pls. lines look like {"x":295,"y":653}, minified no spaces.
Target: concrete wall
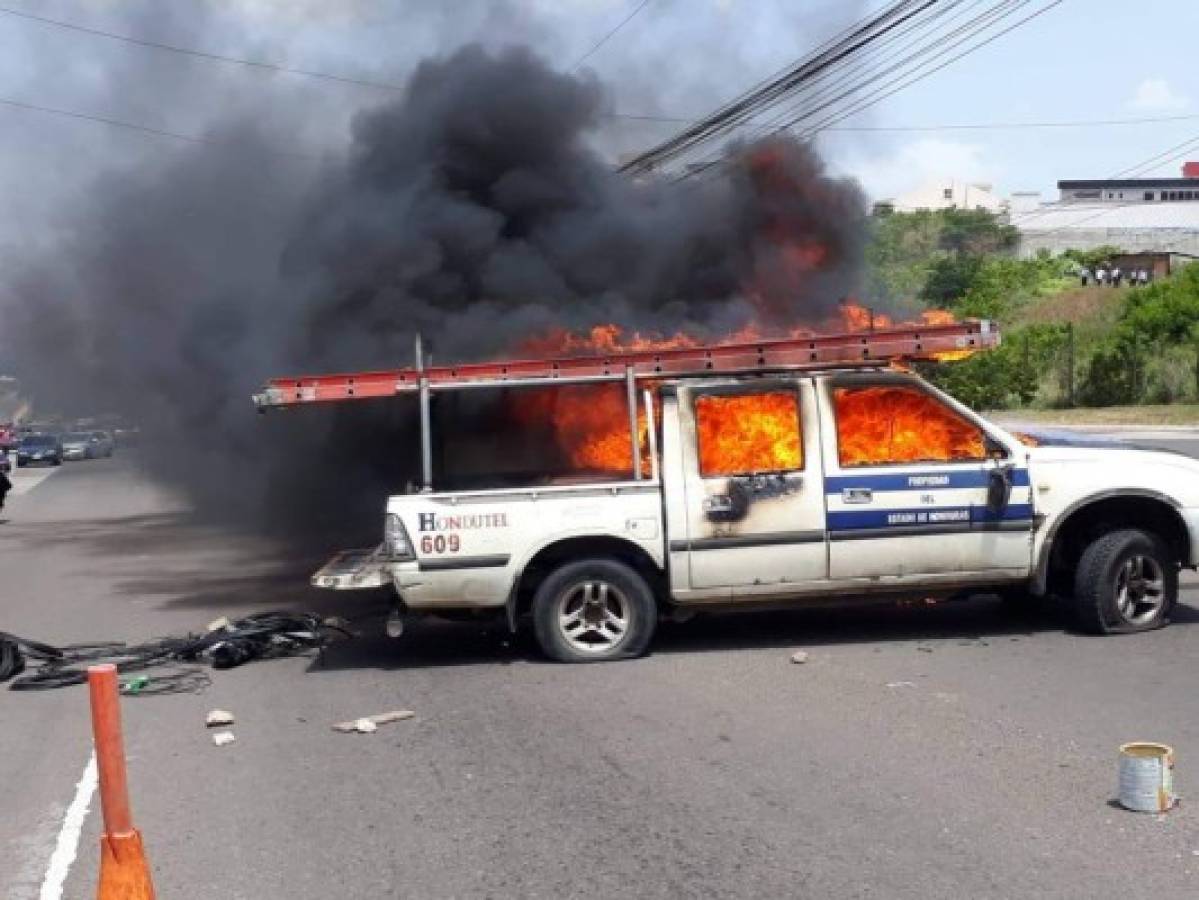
{"x":1130,"y":240}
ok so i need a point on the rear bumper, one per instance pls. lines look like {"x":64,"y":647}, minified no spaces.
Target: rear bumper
{"x":482,"y":584}
{"x":354,"y":570}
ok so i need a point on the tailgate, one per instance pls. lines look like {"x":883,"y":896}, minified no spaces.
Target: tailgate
{"x":352,"y":570}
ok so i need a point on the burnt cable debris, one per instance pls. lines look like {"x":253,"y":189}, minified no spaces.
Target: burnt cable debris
{"x":154,"y":666}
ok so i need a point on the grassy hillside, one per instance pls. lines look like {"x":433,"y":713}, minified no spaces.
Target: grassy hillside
{"x":1064,"y":344}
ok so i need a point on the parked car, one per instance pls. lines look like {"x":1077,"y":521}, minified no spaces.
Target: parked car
{"x":39,"y":448}
{"x":105,"y":444}
{"x":8,"y":438}
{"x":78,"y":445}
{"x":127,"y":437}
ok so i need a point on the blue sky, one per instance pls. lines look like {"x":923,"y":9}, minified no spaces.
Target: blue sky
{"x":1084,"y":59}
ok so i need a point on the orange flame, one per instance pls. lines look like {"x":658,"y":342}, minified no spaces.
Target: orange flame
{"x":879,"y":425}
{"x":738,"y":434}
{"x":1028,"y":440}
{"x":748,"y":433}
{"x":937,"y":317}
{"x":600,"y":339}
{"x":590,"y":425}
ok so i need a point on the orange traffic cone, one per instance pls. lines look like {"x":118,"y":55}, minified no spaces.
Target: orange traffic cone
{"x":124,"y":871}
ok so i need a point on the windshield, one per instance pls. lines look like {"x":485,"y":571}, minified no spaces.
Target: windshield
{"x":38,"y":440}
{"x":76,"y":437}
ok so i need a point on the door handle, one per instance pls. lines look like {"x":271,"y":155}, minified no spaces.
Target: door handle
{"x":857,"y":495}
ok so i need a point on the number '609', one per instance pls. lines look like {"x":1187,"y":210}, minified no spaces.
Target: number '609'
{"x":440,"y":543}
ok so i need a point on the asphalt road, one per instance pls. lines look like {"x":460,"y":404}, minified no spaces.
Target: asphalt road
{"x":949,"y":751}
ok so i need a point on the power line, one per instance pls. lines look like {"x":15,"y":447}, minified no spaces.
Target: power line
{"x":1158,"y":159}
{"x":813,"y":65}
{"x":607,"y":37}
{"x":949,"y":126}
{"x":999,"y":126}
{"x":864,"y":72}
{"x":902,"y":44}
{"x":672,"y":120}
{"x":199,"y":54}
{"x":909,"y":70}
{"x":920,"y":77}
{"x":144,"y":129}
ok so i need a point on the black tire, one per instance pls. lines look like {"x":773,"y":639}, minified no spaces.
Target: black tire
{"x":613,"y":586}
{"x":1113,"y":570}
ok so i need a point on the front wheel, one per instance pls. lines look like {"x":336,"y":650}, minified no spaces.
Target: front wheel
{"x":1126,"y":581}
{"x":594,"y":610}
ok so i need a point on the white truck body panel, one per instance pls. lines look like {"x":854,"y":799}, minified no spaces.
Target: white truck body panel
{"x":471,"y":547}
{"x":1067,"y":478}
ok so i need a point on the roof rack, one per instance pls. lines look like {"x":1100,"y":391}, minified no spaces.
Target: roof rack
{"x":909,"y":342}
{"x":872,"y":347}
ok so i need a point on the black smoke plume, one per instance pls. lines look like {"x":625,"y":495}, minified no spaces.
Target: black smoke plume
{"x":473,"y":209}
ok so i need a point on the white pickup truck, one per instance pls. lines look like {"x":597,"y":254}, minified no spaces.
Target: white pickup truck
{"x":831,"y":484}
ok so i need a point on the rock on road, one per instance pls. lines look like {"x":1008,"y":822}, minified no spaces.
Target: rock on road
{"x":948,"y":751}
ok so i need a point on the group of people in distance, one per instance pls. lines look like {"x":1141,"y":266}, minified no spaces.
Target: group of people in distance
{"x":1106,"y":274}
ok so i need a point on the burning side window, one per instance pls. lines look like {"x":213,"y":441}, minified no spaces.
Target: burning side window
{"x":748,"y":434}
{"x":885,"y":425}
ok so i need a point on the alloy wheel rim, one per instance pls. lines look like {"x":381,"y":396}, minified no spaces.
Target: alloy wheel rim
{"x":594,"y":616}
{"x":1140,"y":589}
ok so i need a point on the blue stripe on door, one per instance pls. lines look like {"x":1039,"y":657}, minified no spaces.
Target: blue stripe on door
{"x":919,"y":481}
{"x":844,"y":520}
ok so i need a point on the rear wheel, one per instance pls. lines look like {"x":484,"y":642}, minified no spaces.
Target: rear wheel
{"x":594,"y":610}
{"x":1126,"y":581}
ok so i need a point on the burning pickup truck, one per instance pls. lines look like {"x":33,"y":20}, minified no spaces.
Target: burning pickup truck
{"x":801,"y":471}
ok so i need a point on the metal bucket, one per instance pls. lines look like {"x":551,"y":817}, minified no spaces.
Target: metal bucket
{"x":1147,"y":777}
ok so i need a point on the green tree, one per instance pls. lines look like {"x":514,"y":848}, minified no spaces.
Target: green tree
{"x":975,"y":232}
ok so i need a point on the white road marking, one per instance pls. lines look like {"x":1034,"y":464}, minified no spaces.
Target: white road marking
{"x":26,"y":479}
{"x":68,"y":837}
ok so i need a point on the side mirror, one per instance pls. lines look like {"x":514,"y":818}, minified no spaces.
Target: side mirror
{"x":999,"y":489}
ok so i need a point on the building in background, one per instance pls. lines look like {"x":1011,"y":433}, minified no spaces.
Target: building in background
{"x":945,"y":193}
{"x":1158,"y":216}
{"x":1022,"y":202}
